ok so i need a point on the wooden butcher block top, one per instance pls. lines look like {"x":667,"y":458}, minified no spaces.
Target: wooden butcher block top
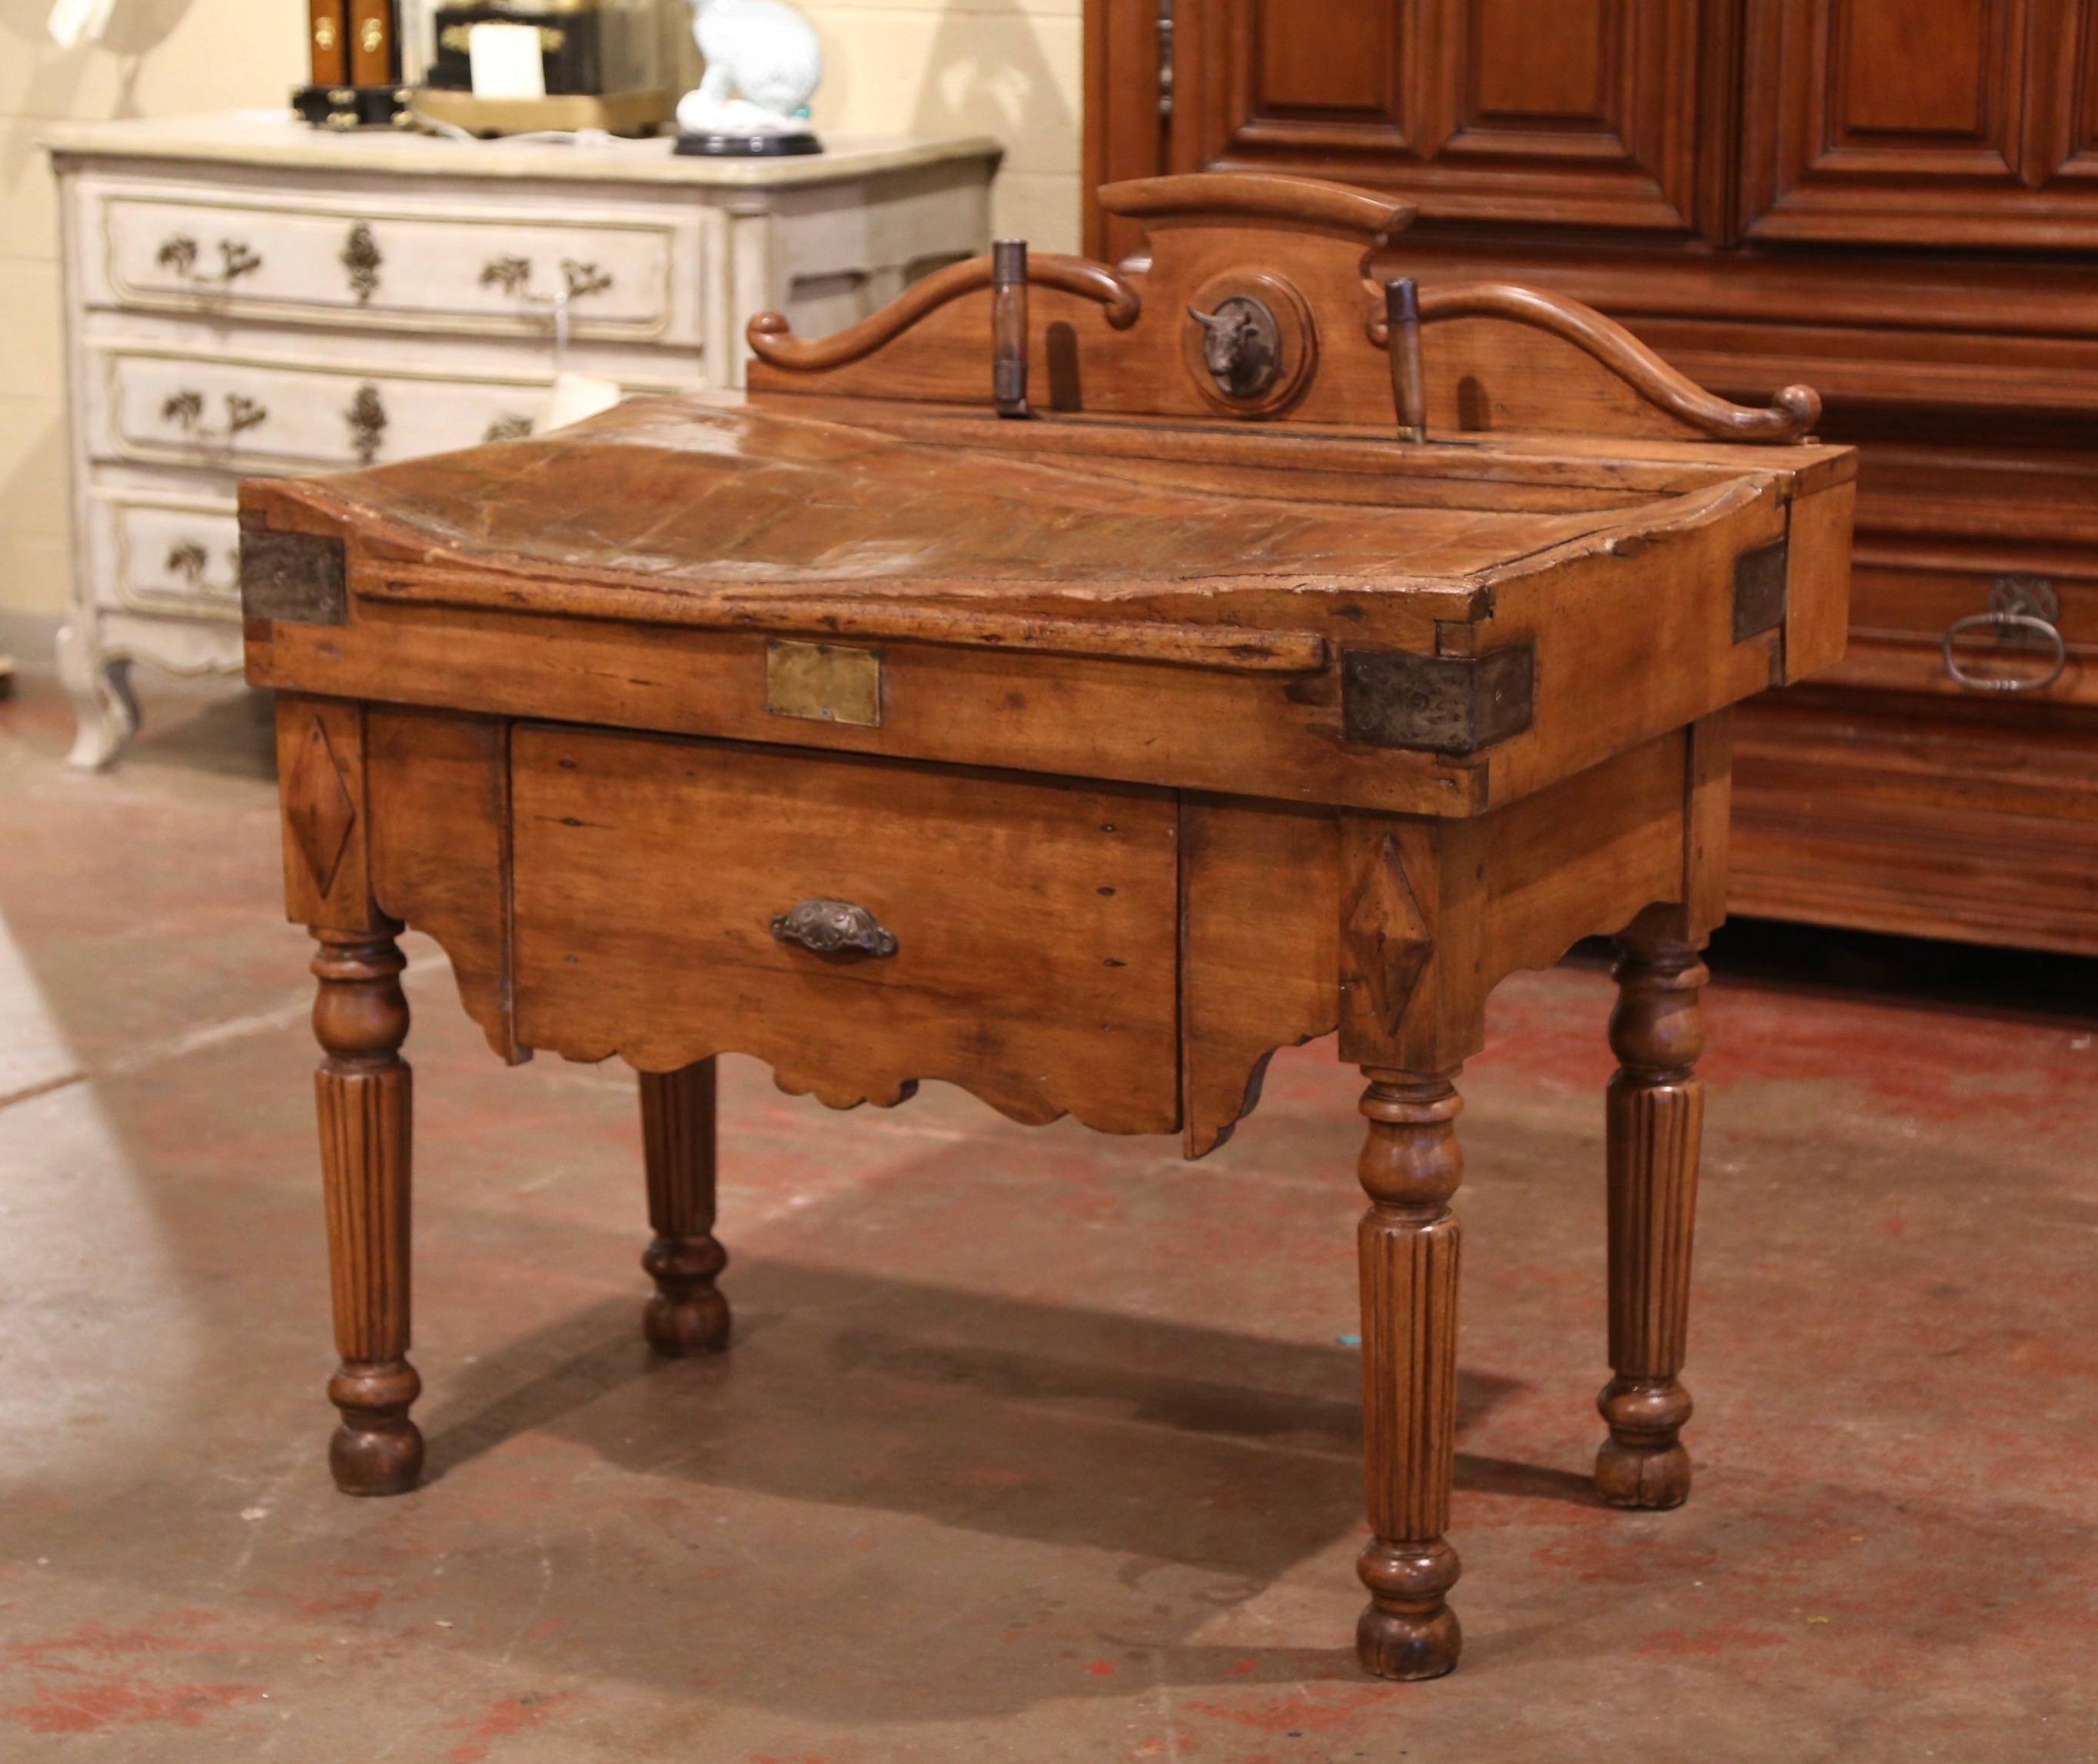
{"x":1567,"y":563}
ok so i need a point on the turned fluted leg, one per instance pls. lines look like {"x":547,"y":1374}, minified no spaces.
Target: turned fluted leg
{"x":1410,"y":1166}
{"x":687,"y":1313}
{"x":1657,"y":1114}
{"x":362,"y":1090}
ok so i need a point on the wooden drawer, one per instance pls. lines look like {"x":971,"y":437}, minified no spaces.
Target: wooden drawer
{"x":1035,"y":924}
{"x":1947,"y":532}
{"x":248,"y":414}
{"x":176,"y":554}
{"x":388,"y":264}
{"x":1965,"y":823}
{"x":1902,"y":608}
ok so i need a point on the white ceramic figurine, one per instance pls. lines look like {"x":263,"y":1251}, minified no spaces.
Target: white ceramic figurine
{"x":763,"y":66}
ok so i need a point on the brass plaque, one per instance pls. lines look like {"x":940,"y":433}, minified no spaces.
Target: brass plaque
{"x":825,"y":683}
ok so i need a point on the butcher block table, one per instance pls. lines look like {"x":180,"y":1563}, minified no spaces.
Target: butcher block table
{"x":1074,"y":684}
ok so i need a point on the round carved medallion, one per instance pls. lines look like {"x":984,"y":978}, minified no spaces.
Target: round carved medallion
{"x":1249,"y":343}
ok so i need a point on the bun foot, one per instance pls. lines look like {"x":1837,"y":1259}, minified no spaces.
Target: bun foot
{"x":386,"y":1460}
{"x":687,"y":1313}
{"x":1642,"y":1475}
{"x":1408,"y":1630}
{"x":685,"y":1324}
{"x":1643,"y":1464}
{"x":1415,"y":1645}
{"x":377,"y":1450}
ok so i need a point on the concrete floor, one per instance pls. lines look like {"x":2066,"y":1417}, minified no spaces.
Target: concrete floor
{"x":1033,"y":1446}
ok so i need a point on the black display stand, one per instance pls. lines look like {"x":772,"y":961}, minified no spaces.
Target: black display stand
{"x":354,"y":106}
{"x":748,"y":147}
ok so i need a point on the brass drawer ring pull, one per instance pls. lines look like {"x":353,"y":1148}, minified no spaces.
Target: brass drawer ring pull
{"x":2022,"y":610}
{"x":827,"y":926}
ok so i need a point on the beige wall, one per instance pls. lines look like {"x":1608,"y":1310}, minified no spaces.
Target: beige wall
{"x":162,"y":57}
{"x":1006,"y":68}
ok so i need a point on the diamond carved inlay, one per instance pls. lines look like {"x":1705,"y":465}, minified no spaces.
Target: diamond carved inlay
{"x":318,"y":806}
{"x":1389,"y":933}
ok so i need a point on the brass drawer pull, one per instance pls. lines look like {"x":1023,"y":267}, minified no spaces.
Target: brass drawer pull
{"x":513,"y":275}
{"x":827,"y":926}
{"x":578,"y":279}
{"x":509,"y":274}
{"x":361,"y":259}
{"x":178,"y":253}
{"x":185,"y":409}
{"x":366,"y":418}
{"x":2022,"y":611}
{"x":189,"y":559}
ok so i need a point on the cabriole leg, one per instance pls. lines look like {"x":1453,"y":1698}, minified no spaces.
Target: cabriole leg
{"x":100,"y":688}
{"x":1656,"y":1115}
{"x":1410,"y":1166}
{"x":362,"y":1090}
{"x":687,"y":1313}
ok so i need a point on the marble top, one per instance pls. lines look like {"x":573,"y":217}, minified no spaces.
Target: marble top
{"x":277,"y":138}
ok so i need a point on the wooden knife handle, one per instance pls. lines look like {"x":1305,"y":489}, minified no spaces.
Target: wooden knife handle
{"x":329,"y":41}
{"x":371,"y":41}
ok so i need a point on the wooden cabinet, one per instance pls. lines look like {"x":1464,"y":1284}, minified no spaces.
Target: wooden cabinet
{"x":1587,"y":109}
{"x":1953,"y":122}
{"x":1893,"y":200}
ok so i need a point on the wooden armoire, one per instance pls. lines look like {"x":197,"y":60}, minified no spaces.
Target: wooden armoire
{"x":1895,"y":201}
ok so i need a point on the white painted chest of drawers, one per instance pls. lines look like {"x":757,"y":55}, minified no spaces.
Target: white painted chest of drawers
{"x":246,"y":295}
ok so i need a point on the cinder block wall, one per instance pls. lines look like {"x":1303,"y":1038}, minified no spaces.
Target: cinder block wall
{"x":1005,"y":67}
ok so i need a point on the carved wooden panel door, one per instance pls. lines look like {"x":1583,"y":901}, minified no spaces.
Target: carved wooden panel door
{"x":1960,"y":122}
{"x":1579,"y":112}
